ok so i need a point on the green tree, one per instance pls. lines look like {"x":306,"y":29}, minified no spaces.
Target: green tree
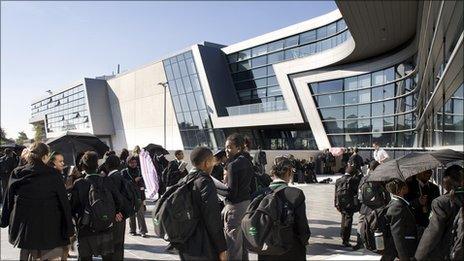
{"x":22,"y":137}
{"x":39,"y":132}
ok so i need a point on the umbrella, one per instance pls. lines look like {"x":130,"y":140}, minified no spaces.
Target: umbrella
{"x":414,"y":163}
{"x":155,"y":149}
{"x":13,"y":146}
{"x":71,"y":143}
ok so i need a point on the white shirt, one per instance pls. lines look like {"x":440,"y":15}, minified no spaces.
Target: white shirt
{"x":380,"y":155}
{"x":111,"y":172}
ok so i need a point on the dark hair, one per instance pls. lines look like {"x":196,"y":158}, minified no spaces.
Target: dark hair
{"x":112,"y":162}
{"x":200,"y":155}
{"x":51,"y":160}
{"x":131,"y":157}
{"x":376,"y":143}
{"x":247,"y":142}
{"x":281,"y":166}
{"x":90,"y":162}
{"x":237,"y":139}
{"x":78,"y":159}
{"x":177,"y":152}
{"x":110,"y":152}
{"x":395,"y":186}
{"x":350,"y":169}
{"x":124,"y":154}
{"x":8,"y":151}
{"x":355,"y":149}
{"x":373,"y":164}
{"x":454,"y":174}
{"x":37,"y":152}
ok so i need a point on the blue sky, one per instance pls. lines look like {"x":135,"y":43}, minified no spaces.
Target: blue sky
{"x":48,"y":45}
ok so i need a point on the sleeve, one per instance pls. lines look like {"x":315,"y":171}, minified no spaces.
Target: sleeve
{"x":233,"y":170}
{"x":65,"y":206}
{"x":7,"y":205}
{"x":75,"y":200}
{"x":434,"y":232}
{"x":398,"y":231}
{"x":119,"y":200}
{"x":335,"y":195}
{"x":302,"y":221}
{"x":211,"y":214}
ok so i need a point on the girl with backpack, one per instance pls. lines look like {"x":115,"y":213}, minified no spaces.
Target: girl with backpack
{"x":282,"y":174}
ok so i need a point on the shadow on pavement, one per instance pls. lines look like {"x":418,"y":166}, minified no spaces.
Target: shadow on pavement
{"x":147,"y":248}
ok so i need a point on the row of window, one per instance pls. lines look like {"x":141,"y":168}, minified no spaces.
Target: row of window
{"x":189,"y":102}
{"x":385,"y":124}
{"x":70,"y":101}
{"x":300,"y":39}
{"x":184,"y":85}
{"x":194,"y":138}
{"x":78,"y":126}
{"x":81,"y":109}
{"x":180,"y":69}
{"x":58,"y":96}
{"x":401,"y":139}
{"x":290,"y":54}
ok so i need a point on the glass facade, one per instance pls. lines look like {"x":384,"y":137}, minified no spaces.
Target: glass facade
{"x":449,"y":126}
{"x":378,"y":106}
{"x":192,"y":116}
{"x":64,"y":111}
{"x":252,"y":72}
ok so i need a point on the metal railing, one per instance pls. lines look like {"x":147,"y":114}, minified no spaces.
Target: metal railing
{"x":257,"y":108}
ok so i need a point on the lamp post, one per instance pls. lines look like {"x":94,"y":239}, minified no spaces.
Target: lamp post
{"x":165,"y":85}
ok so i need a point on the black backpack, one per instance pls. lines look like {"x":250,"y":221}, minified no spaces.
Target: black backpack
{"x":132,"y":193}
{"x":374,"y":222}
{"x":175,"y":217}
{"x":267,"y":225}
{"x":457,"y":236}
{"x":101,"y":210}
{"x":344,"y":194}
{"x":374,"y":195}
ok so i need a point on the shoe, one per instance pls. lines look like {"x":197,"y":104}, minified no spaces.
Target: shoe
{"x":144,"y":235}
{"x":357,"y":246}
{"x":132,"y":233}
{"x":171,"y":250}
{"x":346,"y":244}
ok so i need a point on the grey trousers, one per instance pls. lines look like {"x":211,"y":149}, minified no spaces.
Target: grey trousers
{"x":233,"y":215}
{"x":140,"y":215}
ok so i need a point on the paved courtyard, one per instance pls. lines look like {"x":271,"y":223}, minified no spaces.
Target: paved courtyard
{"x":324,"y":222}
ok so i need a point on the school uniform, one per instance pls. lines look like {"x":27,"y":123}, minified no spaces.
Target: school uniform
{"x":436,"y":241}
{"x":172,"y":174}
{"x":418,"y":188}
{"x":139,"y":217}
{"x":402,"y":242}
{"x":347,"y":214}
{"x":296,"y":199}
{"x":208,"y":239}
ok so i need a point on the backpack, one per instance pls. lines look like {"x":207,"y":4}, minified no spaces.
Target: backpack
{"x":345,"y":195}
{"x":3,"y":165}
{"x":101,"y":209}
{"x":457,"y":235}
{"x":175,"y":217}
{"x":132,"y":193}
{"x":267,"y":225}
{"x":374,"y":222}
{"x":374,"y":195}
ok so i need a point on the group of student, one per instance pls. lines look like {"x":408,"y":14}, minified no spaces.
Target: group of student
{"x":408,"y":219}
{"x":47,"y":208}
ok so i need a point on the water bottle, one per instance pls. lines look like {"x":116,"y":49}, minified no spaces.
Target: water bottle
{"x":379,"y":244}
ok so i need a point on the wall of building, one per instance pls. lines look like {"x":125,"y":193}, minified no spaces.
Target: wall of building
{"x":136,"y":102}
{"x":97,"y":97}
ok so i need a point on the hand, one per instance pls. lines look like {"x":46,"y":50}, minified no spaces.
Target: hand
{"x":119,"y":217}
{"x":137,"y":179}
{"x":223,"y":256}
{"x":423,"y":200}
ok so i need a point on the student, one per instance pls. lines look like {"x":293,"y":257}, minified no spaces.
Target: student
{"x":123,"y":156}
{"x":436,"y":241}
{"x":402,"y":242}
{"x":420,"y":196}
{"x":356,"y":160}
{"x":219,"y":164}
{"x":7,"y":165}
{"x":208,"y":241}
{"x":132,"y":173}
{"x":282,"y":174}
{"x":56,"y":161}
{"x":239,"y":174}
{"x":260,"y":160}
{"x":119,"y":229}
{"x":380,"y":155}
{"x":91,"y":242}
{"x":346,"y":191}
{"x":175,"y":170}
{"x":36,"y":209}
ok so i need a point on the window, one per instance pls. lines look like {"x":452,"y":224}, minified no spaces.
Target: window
{"x":278,"y":45}
{"x":259,"y":61}
{"x":350,"y":112}
{"x":332,"y":114}
{"x":364,"y":111}
{"x":272,"y":80}
{"x":259,"y":50}
{"x":292,"y":54}
{"x":377,"y":94}
{"x":243,"y":66}
{"x":330,"y":100}
{"x":351,"y":83}
{"x":191,"y":66}
{"x":331,"y":29}
{"x":364,"y":81}
{"x":378,"y":78}
{"x":243,"y":55}
{"x":389,"y":91}
{"x":333,"y":126}
{"x":364,"y":96}
{"x":259,"y":72}
{"x":351,"y":97}
{"x":308,"y":37}
{"x":175,"y":70}
{"x":321,"y":32}
{"x":275,"y":57}
{"x":187,"y":85}
{"x":183,"y":68}
{"x":291,"y":41}
{"x":330,"y":86}
{"x":191,"y":102}
{"x":200,"y":100}
{"x":341,"y":25}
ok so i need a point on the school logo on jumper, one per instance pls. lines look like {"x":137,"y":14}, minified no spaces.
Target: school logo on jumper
{"x":252,"y":231}
{"x":156,"y":222}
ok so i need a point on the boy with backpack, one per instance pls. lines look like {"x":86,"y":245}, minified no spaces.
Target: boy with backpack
{"x":400,"y":237}
{"x":346,"y":201}
{"x":96,"y":205}
{"x":275,"y":224}
{"x":188,"y":214}
{"x":443,"y":237}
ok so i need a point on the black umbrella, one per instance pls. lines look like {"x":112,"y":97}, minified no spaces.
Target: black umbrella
{"x":72,"y":143}
{"x":414,"y":163}
{"x":13,"y":146}
{"x":155,"y":149}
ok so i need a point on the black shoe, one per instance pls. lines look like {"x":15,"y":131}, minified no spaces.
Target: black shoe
{"x":144,"y":235}
{"x":132,"y":233}
{"x":357,"y":246}
{"x":346,"y":244}
{"x":171,"y":250}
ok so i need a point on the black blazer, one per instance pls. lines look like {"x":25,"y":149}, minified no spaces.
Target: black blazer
{"x":208,"y":239}
{"x":402,"y":242}
{"x":436,"y":241}
{"x":36,"y":208}
{"x":239,"y":175}
{"x":431,"y":190}
{"x":296,"y":198}
{"x":172,"y":174}
{"x":118,"y":182}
